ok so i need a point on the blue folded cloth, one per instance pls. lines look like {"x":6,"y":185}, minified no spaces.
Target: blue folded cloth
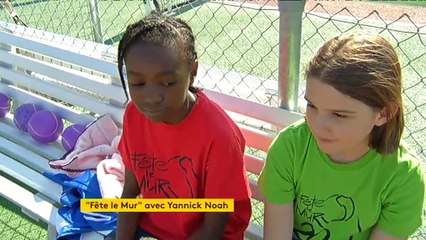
{"x":73,"y":222}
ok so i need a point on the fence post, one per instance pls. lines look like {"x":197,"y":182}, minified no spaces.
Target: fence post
{"x":169,"y":6}
{"x":290,"y":39}
{"x":96,"y":20}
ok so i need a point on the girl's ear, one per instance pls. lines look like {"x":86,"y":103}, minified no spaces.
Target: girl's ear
{"x":193,"y":73}
{"x":386,"y":114}
{"x":194,"y":70}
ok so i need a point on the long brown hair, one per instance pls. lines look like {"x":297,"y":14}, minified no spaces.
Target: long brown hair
{"x":365,"y":67}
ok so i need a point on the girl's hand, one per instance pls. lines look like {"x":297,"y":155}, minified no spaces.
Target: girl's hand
{"x":128,"y":222}
{"x":379,"y":234}
{"x":212,"y":227}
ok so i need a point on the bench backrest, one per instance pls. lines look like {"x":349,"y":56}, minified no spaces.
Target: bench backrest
{"x":79,"y":80}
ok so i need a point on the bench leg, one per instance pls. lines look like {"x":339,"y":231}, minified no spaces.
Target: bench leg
{"x":30,"y":214}
{"x":51,"y":232}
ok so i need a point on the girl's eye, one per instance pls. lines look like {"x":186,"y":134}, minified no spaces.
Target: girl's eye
{"x":168,"y":84}
{"x":340,"y":115}
{"x":310,"y":105}
{"x":137,"y":84}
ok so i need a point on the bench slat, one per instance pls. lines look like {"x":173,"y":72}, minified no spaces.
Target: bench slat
{"x":59,"y":40}
{"x":65,"y":94}
{"x":30,"y":177}
{"x":277,"y":116}
{"x":256,"y":138}
{"x":24,"y":155}
{"x":25,"y":199}
{"x":36,"y":207}
{"x":253,"y":164}
{"x":75,"y":78}
{"x":85,"y":61}
{"x":11,"y":133}
{"x":23,"y":96}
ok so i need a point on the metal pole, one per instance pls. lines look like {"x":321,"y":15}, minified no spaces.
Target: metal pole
{"x":9,"y":7}
{"x":290,"y":39}
{"x":96,"y":20}
{"x":169,"y":6}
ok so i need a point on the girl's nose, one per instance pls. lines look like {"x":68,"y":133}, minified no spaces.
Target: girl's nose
{"x":322,"y":124}
{"x":153,"y":96}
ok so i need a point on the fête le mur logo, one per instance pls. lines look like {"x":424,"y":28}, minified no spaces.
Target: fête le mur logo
{"x":157,"y":205}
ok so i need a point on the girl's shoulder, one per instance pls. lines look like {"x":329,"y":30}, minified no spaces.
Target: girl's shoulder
{"x":131,"y":110}
{"x":214,"y":119}
{"x":213,"y":114}
{"x":298,"y":132}
{"x":402,"y":166}
{"x":406,"y":159}
{"x":294,"y":141}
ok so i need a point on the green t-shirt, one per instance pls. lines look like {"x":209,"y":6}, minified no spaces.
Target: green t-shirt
{"x":342,"y":201}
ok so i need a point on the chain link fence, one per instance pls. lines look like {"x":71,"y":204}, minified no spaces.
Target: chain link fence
{"x":239,"y":45}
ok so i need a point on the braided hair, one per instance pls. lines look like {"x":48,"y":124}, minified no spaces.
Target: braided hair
{"x":159,"y":30}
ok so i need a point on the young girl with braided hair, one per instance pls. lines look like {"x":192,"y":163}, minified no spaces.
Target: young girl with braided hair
{"x":176,"y":142}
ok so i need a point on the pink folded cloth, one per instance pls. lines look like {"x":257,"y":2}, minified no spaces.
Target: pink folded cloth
{"x":110,"y":173}
{"x":98,"y":142}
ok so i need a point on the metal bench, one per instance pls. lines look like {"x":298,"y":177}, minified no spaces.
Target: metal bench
{"x":79,"y":80}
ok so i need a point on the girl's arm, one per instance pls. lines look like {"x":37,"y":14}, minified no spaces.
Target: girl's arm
{"x":278,"y":221}
{"x":379,"y":234}
{"x":212,"y":228}
{"x":128,"y":223}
